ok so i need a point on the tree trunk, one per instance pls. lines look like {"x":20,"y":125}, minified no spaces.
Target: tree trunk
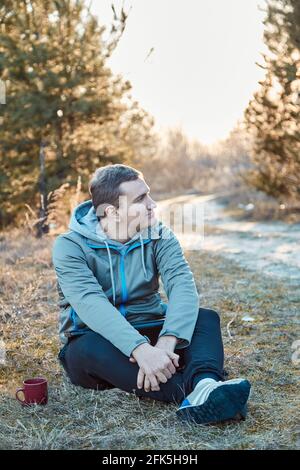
{"x":42,"y":226}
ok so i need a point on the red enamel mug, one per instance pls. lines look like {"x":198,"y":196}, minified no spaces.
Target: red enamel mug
{"x":35,"y":391}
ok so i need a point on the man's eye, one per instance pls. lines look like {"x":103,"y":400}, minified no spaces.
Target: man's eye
{"x":142,"y":197}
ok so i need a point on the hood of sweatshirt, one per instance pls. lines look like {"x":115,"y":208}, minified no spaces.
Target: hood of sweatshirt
{"x":84,"y":221}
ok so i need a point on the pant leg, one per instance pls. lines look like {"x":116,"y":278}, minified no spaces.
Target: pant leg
{"x":204,"y":357}
{"x":78,"y":374}
{"x":91,"y":359}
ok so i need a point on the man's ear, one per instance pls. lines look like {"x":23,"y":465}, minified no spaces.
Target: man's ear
{"x":112,"y":211}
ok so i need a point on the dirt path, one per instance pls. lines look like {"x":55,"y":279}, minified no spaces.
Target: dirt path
{"x":272,"y":248}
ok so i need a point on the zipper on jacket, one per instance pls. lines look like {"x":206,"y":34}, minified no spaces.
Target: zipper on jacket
{"x":123,"y":285}
{"x":123,"y":253}
{"x":123,"y":277}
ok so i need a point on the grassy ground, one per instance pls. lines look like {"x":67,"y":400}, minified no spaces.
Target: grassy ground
{"x":76,"y":418}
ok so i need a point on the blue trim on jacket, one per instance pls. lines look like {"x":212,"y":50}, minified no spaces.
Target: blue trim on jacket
{"x":122,"y":268}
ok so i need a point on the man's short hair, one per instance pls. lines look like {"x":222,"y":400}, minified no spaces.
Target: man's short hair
{"x":105,"y":182}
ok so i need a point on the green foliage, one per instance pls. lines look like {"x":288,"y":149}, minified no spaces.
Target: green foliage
{"x":60,"y":93}
{"x":273,"y":115}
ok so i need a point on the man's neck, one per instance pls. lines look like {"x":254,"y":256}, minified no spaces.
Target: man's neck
{"x":113,"y":234}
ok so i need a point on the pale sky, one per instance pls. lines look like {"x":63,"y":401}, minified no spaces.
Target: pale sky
{"x":202,"y":71}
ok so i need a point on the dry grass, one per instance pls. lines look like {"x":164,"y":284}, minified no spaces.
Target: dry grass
{"x":76,"y":418}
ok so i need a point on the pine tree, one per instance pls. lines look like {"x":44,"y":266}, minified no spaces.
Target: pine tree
{"x":62,"y":97}
{"x":273,"y":115}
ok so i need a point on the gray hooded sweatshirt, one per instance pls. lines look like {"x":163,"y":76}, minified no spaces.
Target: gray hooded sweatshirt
{"x":112,"y":288}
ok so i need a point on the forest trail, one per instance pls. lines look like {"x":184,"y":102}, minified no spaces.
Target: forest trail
{"x":272,"y":248}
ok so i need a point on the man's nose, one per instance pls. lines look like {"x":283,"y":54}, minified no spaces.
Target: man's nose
{"x":151,"y":203}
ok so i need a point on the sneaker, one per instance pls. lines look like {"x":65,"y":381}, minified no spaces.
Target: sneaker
{"x":213,"y":402}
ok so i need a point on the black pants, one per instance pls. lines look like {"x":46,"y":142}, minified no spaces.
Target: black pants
{"x":91,"y":361}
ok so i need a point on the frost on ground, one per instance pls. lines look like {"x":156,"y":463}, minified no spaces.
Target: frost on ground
{"x":272,"y":248}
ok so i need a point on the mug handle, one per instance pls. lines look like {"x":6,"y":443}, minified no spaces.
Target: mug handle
{"x":17,"y":394}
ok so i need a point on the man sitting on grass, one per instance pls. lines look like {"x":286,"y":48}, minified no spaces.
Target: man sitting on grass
{"x":114,"y":327}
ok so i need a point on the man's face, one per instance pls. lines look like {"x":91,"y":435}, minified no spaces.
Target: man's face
{"x":136,"y":209}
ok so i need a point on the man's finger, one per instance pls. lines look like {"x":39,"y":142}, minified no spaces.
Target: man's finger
{"x":140,"y":378}
{"x":154,"y":383}
{"x":171,"y":368}
{"x":175,"y":358}
{"x":163,"y":376}
{"x":146,"y":384}
{"x":131,"y":359}
{"x":168,"y":374}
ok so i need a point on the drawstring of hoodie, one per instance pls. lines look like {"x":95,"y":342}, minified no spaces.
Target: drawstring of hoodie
{"x":111,"y":273}
{"x":142,"y":254}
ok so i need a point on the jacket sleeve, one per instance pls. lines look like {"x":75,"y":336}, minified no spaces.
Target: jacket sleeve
{"x":84,"y":293}
{"x":180,"y":288}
